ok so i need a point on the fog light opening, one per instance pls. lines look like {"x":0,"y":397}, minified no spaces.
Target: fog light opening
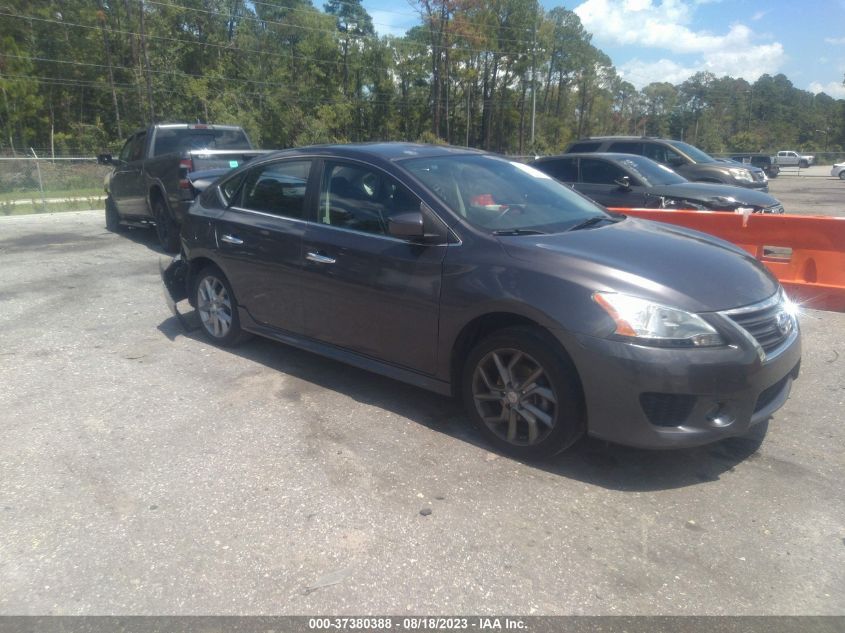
{"x":719,"y":416}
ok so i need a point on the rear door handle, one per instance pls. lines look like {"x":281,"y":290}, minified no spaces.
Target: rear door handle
{"x":319,"y":258}
{"x":231,"y":239}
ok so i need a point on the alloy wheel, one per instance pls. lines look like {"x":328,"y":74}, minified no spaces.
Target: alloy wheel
{"x":214,"y":306}
{"x":514,"y":397}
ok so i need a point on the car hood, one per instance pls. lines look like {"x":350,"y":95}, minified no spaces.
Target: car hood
{"x":664,"y":263}
{"x":716,"y":196}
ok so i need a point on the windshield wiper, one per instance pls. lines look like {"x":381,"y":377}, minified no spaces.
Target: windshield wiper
{"x":592,"y":222}
{"x":518,"y":232}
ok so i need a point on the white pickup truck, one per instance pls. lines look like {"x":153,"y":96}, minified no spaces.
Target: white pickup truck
{"x":789,"y":158}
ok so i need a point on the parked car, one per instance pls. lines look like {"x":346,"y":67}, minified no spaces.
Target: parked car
{"x":152,"y":179}
{"x":838,"y":171}
{"x":789,"y":158}
{"x":689,"y":161}
{"x":765,"y":162}
{"x":467,"y":273}
{"x":630,"y":181}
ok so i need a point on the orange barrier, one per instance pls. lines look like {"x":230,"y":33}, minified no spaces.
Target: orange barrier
{"x":805,"y":253}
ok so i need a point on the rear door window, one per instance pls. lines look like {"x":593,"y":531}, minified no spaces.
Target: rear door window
{"x":627,"y":147}
{"x":584,"y":146}
{"x":563,"y":169}
{"x":600,"y":172}
{"x":277,"y":188}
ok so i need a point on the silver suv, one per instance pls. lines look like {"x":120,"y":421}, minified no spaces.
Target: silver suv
{"x":689,"y":161}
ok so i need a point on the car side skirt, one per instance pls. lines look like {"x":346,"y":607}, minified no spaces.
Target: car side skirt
{"x":344,"y":356}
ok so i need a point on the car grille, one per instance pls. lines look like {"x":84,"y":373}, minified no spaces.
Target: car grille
{"x":767,"y":322}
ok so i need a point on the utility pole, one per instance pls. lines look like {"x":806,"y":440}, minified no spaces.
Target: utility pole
{"x":148,"y":73}
{"x":533,"y":81}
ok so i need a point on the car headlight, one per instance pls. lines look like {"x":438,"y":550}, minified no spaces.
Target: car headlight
{"x":741,"y":174}
{"x":647,"y":323}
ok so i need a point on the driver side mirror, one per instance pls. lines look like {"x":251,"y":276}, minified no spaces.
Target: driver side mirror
{"x":105,"y":159}
{"x":624,"y":183}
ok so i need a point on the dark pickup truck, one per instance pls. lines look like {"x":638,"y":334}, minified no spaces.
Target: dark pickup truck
{"x":152,"y":182}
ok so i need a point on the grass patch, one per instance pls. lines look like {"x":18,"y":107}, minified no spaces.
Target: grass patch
{"x":85,"y":192}
{"x":30,"y":205}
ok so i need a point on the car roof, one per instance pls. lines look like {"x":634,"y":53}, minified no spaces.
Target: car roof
{"x":376,"y":152}
{"x":610,"y":155}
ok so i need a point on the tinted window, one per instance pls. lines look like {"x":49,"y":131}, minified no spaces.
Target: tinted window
{"x":362,"y":199}
{"x":168,"y":140}
{"x":496,"y":194}
{"x":693,"y":152}
{"x":600,"y":172}
{"x":564,"y":169}
{"x":277,"y":188}
{"x":626,"y":147}
{"x":650,"y":172}
{"x":136,"y":150}
{"x":230,"y":188}
{"x":656,"y":152}
{"x":584,"y":146}
{"x":127,"y":149}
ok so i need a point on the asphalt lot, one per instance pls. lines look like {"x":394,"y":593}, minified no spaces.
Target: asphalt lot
{"x":811,"y":191}
{"x":143,"y":471}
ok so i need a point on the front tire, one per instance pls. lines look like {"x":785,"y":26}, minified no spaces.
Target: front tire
{"x":167,"y":230}
{"x":112,"y":216}
{"x":842,"y":175}
{"x":217,"y":308}
{"x":523,"y":393}
{"x":803,"y":164}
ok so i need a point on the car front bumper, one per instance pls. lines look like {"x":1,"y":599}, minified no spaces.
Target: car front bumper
{"x":671,"y":398}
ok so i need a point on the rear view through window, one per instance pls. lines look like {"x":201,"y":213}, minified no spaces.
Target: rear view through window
{"x":169,"y":140}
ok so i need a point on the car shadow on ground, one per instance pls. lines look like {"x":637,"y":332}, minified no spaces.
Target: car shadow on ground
{"x":590,"y":460}
{"x":145,"y":236}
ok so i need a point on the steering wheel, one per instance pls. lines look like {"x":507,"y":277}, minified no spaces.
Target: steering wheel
{"x":507,"y":208}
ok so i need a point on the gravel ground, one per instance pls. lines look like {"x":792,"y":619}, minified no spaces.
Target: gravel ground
{"x":143,"y":471}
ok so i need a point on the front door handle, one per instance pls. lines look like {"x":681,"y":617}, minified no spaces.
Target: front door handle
{"x":231,"y":239}
{"x":319,"y":258}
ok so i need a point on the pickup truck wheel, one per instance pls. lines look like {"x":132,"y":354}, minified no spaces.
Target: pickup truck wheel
{"x":803,"y":164}
{"x":217,"y":307}
{"x":112,"y":216}
{"x":842,"y":175}
{"x":166,"y":229}
{"x":523,"y":394}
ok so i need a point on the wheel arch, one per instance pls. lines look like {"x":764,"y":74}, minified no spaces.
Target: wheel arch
{"x":196,"y":265}
{"x":485,"y":324}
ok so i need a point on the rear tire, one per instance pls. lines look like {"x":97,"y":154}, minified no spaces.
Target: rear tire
{"x":523,"y":393}
{"x":167,"y":230}
{"x":112,"y":216}
{"x":217,"y":308}
{"x":842,"y":175}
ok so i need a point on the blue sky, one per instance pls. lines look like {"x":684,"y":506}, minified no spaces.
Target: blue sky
{"x":669,"y":40}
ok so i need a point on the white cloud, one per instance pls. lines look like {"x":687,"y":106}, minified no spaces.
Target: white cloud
{"x":836,"y":41}
{"x":759,"y":15}
{"x":833,"y":89}
{"x":392,"y":23}
{"x":665,"y":26}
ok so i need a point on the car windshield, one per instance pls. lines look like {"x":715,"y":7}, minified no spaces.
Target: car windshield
{"x":693,"y":152}
{"x":651,"y":173}
{"x":501,"y":196}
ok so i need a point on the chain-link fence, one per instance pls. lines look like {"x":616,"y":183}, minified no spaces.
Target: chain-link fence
{"x":38,"y":185}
